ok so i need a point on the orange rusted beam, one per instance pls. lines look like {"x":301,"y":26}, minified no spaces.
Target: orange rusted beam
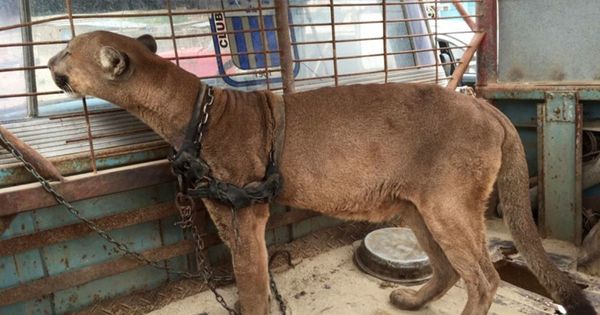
{"x":465,"y":15}
{"x":464,"y":62}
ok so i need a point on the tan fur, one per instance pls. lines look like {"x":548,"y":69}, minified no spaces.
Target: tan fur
{"x":362,"y":152}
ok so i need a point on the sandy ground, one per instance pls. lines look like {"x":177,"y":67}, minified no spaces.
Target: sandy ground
{"x":331,"y":284}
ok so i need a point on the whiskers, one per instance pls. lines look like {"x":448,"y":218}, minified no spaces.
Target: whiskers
{"x":68,"y":89}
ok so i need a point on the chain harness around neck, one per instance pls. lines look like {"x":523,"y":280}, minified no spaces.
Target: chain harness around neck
{"x":195,"y":177}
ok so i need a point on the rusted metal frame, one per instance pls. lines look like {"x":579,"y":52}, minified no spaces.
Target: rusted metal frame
{"x":32,"y":43}
{"x":44,"y":286}
{"x":487,"y":58}
{"x":465,"y":60}
{"x":122,"y":15}
{"x":91,"y":113}
{"x":285,"y":46}
{"x":48,"y":237}
{"x":68,"y":5}
{"x":378,"y":54}
{"x":374,"y":4}
{"x":263,"y":37}
{"x":435,"y":43}
{"x":182,"y":36}
{"x":380,"y":21}
{"x":333,"y":41}
{"x":385,"y":47}
{"x":28,"y":59}
{"x":381,"y":71}
{"x":30,"y":94}
{"x":459,"y":7}
{"x":377,"y":38}
{"x":28,"y":197}
{"x":29,"y":24}
{"x":110,"y":134}
{"x":170,"y":15}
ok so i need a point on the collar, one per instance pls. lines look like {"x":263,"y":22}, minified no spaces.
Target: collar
{"x":194,"y":176}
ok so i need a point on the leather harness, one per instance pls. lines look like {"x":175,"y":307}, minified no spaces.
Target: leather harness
{"x":195,"y":177}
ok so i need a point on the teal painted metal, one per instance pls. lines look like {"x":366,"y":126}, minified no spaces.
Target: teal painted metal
{"x":17,"y":175}
{"x":87,"y":251}
{"x":559,"y":167}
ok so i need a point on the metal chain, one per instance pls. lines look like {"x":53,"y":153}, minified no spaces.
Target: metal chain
{"x":185,"y":205}
{"x":92,"y":225}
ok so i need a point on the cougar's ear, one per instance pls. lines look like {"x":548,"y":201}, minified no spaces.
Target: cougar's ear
{"x":114,"y":62}
{"x":148,"y":41}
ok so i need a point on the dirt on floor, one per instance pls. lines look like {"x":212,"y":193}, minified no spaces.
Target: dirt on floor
{"x":330,"y":283}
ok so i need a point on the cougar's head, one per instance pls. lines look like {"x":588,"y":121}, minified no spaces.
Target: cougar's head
{"x":100,"y":63}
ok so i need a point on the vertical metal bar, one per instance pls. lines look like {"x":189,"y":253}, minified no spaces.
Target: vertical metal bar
{"x":464,"y":61}
{"x":435,"y":43}
{"x":28,"y":59}
{"x":68,"y":4}
{"x":487,"y":58}
{"x":265,"y":43}
{"x":285,"y":46}
{"x":333,"y":48}
{"x":465,"y":15}
{"x":385,"y":48}
{"x":558,"y":167}
{"x":170,"y":14}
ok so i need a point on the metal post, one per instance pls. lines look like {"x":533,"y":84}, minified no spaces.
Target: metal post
{"x":285,"y":46}
{"x":487,"y":57}
{"x":28,"y":59}
{"x":559,"y":166}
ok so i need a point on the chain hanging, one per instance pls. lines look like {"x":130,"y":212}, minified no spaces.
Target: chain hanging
{"x":186,"y":207}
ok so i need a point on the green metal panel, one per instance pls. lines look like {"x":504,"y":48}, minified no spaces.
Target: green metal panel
{"x":560,"y":167}
{"x":87,"y":251}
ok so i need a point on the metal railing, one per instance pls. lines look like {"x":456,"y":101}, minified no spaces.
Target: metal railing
{"x":328,"y":35}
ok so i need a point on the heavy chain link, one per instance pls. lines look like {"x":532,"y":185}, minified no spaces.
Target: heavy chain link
{"x":186,"y":207}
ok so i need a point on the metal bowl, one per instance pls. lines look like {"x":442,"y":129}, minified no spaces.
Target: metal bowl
{"x":393,"y":254}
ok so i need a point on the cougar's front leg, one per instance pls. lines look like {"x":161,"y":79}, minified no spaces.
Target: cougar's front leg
{"x":249,"y":253}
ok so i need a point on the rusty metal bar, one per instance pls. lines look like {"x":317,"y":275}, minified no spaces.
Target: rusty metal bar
{"x":170,"y":14}
{"x":90,"y":137}
{"x":32,"y":196}
{"x":436,"y":45}
{"x":487,"y":58}
{"x":69,"y":6}
{"x":194,"y":35}
{"x":385,"y":39}
{"x":265,"y":43}
{"x":285,"y":46}
{"x":333,"y":41}
{"x":23,"y":243}
{"x":459,"y":7}
{"x":381,"y":21}
{"x":403,"y":3}
{"x":28,"y":60}
{"x":465,"y":60}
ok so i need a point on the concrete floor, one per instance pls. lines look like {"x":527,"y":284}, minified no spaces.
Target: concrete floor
{"x":330,"y":283}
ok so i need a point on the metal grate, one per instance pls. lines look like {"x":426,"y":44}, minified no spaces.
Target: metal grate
{"x":244,"y":44}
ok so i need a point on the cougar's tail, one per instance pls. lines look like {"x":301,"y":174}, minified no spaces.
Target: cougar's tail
{"x":41,"y":164}
{"x":513,"y":187}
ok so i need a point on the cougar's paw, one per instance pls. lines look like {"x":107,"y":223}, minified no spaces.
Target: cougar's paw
{"x":406,"y":299}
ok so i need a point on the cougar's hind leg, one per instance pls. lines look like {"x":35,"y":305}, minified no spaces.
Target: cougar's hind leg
{"x":458,"y":227}
{"x":443,"y":277}
{"x":249,"y":254}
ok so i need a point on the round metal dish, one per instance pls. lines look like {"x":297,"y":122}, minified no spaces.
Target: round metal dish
{"x":393,"y":254}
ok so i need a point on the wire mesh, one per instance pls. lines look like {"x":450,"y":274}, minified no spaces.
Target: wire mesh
{"x":234,"y":44}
